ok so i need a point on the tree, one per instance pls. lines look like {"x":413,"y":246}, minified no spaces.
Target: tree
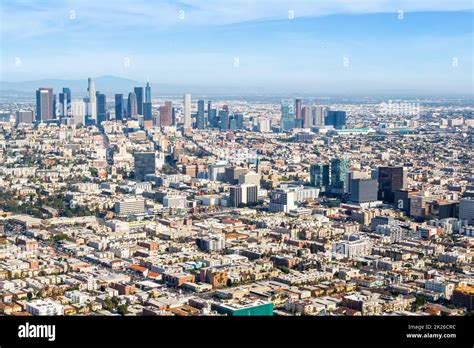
{"x":419,"y":302}
{"x":94,"y":172}
{"x":108,"y":304}
{"x":122,"y":309}
{"x":59,"y":237}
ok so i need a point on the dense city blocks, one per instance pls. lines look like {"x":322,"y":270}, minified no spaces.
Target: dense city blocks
{"x":235,"y":207}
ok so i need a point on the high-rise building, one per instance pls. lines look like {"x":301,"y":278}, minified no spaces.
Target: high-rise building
{"x":466,"y":210}
{"x":139,"y":93}
{"x":264,"y":125}
{"x":243,"y":194}
{"x":224,"y":119}
{"x":335,"y":118}
{"x":232,"y":174}
{"x":216,"y":171}
{"x":24,"y":116}
{"x":298,"y":112}
{"x":252,"y":178}
{"x":339,"y":177}
{"x":200,"y":116}
{"x":132,"y":108}
{"x":119,"y":115}
{"x":145,"y":163}
{"x":352,"y":245}
{"x":390,"y":180}
{"x":212,"y":118}
{"x":67,"y":92}
{"x":64,"y":102}
{"x":187,"y":111}
{"x":147,"y":111}
{"x":287,"y":115}
{"x":307,"y":117}
{"x":147,"y":93}
{"x":363,"y":190}
{"x":319,"y":114}
{"x":55,"y":106}
{"x":402,"y":199}
{"x":92,"y":100}
{"x":44,"y":104}
{"x":78,"y":112}
{"x":418,"y":205}
{"x":282,"y":200}
{"x":130,"y":206}
{"x":319,"y":175}
{"x":166,"y":114}
{"x":173,"y":116}
{"x":147,"y":105}
{"x":101,"y":107}
{"x":62,"y":105}
{"x":356,"y":174}
{"x":239,"y":121}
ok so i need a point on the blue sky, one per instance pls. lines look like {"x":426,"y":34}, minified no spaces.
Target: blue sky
{"x":193,"y":42}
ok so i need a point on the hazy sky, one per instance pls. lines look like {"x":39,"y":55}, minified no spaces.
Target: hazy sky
{"x":346,"y":46}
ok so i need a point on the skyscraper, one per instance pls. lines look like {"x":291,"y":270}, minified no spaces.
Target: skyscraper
{"x":65,"y":102}
{"x":166,"y":114}
{"x":390,"y":180}
{"x":24,"y":116}
{"x":318,"y":115}
{"x":466,"y":210}
{"x":148,"y":93}
{"x":287,"y":115}
{"x":335,"y":118}
{"x":173,"y":115}
{"x":307,"y":117}
{"x":200,"y":117}
{"x":139,"y":93}
{"x":144,"y":163}
{"x":363,"y":190}
{"x":243,"y":194}
{"x":187,"y":111}
{"x":101,"y":107}
{"x":319,"y":175}
{"x":55,"y":111}
{"x":132,"y":110}
{"x":224,"y":119}
{"x":92,"y":100}
{"x":44,"y":104}
{"x":147,"y":113}
{"x":239,"y":121}
{"x":78,"y":112}
{"x":62,"y":104}
{"x":298,"y":113}
{"x":119,"y":116}
{"x":67,"y":91}
{"x":339,"y":177}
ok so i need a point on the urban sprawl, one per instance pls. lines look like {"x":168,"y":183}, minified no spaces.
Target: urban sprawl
{"x":136,"y":205}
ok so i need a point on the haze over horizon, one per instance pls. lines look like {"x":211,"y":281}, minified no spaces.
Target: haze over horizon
{"x":257,"y":47}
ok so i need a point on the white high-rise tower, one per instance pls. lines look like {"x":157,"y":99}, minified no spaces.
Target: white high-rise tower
{"x":92,"y":99}
{"x":187,"y":111}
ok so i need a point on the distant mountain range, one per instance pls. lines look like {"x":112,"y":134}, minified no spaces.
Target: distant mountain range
{"x":105,"y":84}
{"x":110,"y":85}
